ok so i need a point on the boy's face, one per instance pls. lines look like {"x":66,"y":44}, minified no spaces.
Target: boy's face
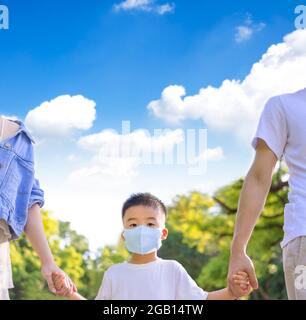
{"x":147,"y":216}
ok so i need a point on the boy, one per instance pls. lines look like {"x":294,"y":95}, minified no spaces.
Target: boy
{"x":146,"y":276}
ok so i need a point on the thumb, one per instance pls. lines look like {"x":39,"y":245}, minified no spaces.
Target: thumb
{"x":50,"y":284}
{"x":252,"y":277}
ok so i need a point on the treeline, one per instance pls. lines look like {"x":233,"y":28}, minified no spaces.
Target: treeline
{"x":200,"y":233}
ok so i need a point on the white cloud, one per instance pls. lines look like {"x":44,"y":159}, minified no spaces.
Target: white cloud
{"x":164,"y":8}
{"x":121,"y":156}
{"x":72,"y":157}
{"x":214,"y":154}
{"x":133,"y":4}
{"x":145,"y":5}
{"x":97,"y":188}
{"x":246,"y":31}
{"x":118,"y":156}
{"x":61,"y":116}
{"x":111,"y":167}
{"x":243,"y":33}
{"x":109,"y":141}
{"x":236,"y":105}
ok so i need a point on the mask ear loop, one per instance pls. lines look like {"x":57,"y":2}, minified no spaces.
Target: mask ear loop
{"x":2,"y":128}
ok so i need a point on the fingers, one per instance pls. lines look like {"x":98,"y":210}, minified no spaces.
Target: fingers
{"x":242,"y":273}
{"x":233,"y":287}
{"x":252,"y":277}
{"x":235,"y":290}
{"x":247,"y":290}
{"x":242,"y":281}
{"x":238,"y":292}
{"x":240,"y":277}
{"x":243,"y":290}
{"x":50,"y":284}
{"x":72,"y":286}
{"x":64,"y":292}
{"x":239,"y":283}
{"x":58,"y":281}
{"x":58,"y":276}
{"x":67,"y":286}
{"x":243,"y":286}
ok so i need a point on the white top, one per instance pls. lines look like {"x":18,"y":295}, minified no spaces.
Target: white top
{"x":283,"y":127}
{"x":2,"y":128}
{"x":157,"y":280}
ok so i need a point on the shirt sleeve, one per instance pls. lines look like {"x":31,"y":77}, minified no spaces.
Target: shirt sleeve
{"x":186,"y":287}
{"x":105,"y":291}
{"x":272,"y":127}
{"x":37,"y":195}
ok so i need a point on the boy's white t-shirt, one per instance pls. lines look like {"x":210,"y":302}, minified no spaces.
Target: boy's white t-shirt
{"x":157,"y":280}
{"x":282,"y":126}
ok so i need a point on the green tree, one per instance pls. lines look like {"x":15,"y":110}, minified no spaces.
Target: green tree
{"x":206,"y":225}
{"x":200,"y":233}
{"x":70,"y":251}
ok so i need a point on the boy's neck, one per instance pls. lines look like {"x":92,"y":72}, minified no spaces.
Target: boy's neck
{"x":143,"y":258}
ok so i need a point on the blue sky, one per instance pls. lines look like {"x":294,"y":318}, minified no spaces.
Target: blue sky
{"x":123,"y":60}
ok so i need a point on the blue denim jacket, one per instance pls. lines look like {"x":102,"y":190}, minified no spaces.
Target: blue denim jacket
{"x":19,"y":189}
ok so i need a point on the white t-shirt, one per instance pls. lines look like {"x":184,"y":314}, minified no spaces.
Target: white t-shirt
{"x":157,"y":280}
{"x":283,"y":127}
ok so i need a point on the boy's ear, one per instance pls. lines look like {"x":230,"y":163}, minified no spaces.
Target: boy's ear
{"x":164,"y":234}
{"x":122,"y":236}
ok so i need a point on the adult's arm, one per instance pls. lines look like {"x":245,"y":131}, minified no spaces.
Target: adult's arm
{"x":35,"y":232}
{"x":251,"y":203}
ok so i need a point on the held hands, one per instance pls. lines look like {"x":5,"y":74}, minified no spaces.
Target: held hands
{"x":67,"y":286}
{"x":240,"y":279}
{"x":242,"y":284}
{"x":240,"y":261}
{"x":60,"y":283}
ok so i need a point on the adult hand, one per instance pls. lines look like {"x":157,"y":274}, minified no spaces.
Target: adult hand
{"x":240,"y":261}
{"x":68,"y":288}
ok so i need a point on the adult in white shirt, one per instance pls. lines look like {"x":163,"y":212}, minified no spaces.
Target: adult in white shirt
{"x":281,"y":133}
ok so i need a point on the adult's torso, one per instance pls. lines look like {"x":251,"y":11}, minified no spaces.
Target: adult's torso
{"x":16,"y":176}
{"x":294,"y":107}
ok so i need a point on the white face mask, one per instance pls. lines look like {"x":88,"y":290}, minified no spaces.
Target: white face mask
{"x":143,"y":239}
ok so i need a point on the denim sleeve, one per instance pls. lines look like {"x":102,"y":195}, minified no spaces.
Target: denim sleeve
{"x":37,"y":195}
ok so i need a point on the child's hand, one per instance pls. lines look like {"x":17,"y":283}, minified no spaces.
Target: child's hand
{"x":241,"y":279}
{"x":59,"y":281}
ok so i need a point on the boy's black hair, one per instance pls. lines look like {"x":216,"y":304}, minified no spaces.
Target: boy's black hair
{"x":143,"y":199}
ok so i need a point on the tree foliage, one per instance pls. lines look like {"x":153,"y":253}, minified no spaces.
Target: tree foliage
{"x":200,"y":232}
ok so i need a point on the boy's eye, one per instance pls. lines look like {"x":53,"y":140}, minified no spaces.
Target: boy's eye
{"x":133,"y":225}
{"x":151,"y":224}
